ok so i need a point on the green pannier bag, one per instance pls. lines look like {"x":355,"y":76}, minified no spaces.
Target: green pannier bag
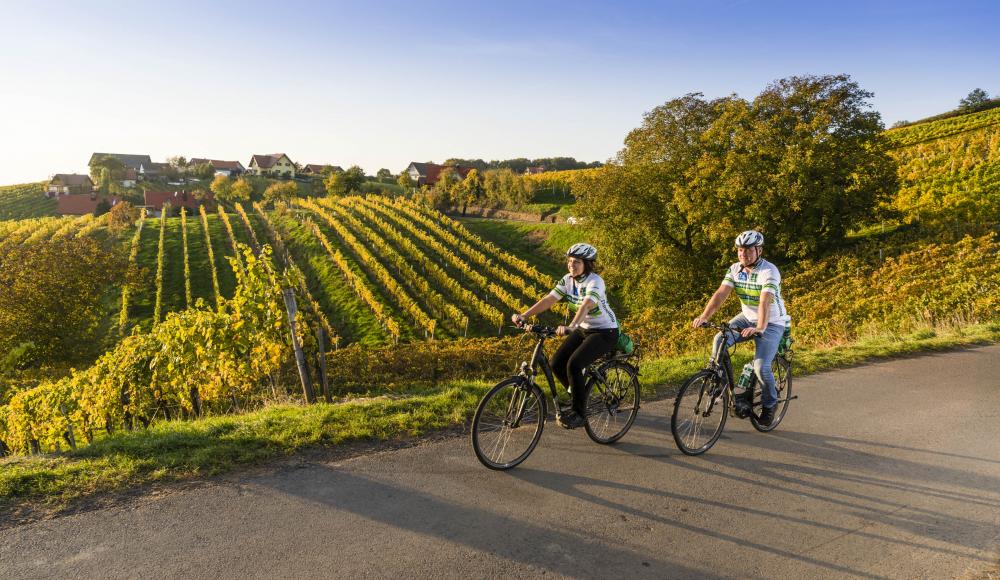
{"x":625,"y":344}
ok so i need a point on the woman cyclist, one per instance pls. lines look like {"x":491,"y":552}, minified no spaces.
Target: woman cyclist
{"x":592,"y":332}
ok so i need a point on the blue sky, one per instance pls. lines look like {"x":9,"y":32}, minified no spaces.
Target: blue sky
{"x":380,"y":84}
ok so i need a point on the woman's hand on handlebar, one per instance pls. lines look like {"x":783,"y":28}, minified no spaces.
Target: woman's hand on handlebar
{"x":751,"y":332}
{"x":699,"y":322}
{"x":563,"y":330}
{"x":518,"y":320}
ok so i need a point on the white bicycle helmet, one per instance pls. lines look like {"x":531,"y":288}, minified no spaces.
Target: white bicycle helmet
{"x":582,"y":251}
{"x":750,"y":239}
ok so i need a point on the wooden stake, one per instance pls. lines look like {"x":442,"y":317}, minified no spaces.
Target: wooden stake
{"x":300,"y":357}
{"x":321,"y":342}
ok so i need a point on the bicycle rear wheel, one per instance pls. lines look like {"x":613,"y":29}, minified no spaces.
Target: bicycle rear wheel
{"x":782,"y":370}
{"x":700,"y":412}
{"x":612,"y":404}
{"x":508,"y":423}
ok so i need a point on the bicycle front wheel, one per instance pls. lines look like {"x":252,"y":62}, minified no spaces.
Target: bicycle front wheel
{"x":700,"y":411}
{"x":612,"y":404}
{"x":508,"y":423}
{"x":782,"y":370}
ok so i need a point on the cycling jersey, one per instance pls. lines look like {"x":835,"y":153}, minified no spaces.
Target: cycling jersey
{"x":590,"y":286}
{"x":750,"y":285}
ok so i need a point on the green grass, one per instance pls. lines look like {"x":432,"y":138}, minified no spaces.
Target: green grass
{"x":178,"y":450}
{"x":543,"y":245}
{"x":175,"y":450}
{"x":352,"y":319}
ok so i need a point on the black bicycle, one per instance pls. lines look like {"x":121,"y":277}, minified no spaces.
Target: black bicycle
{"x":509,"y":420}
{"x":710,"y":395}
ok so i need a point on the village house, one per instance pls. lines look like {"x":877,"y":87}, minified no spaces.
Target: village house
{"x":128,"y":160}
{"x":534,"y":170}
{"x":273,"y":165}
{"x":317,"y":169}
{"x":155,"y":200}
{"x":428,"y":173}
{"x":81,"y":203}
{"x":152,"y":170}
{"x":69,"y":183}
{"x":130,"y":177}
{"x":227,"y":168}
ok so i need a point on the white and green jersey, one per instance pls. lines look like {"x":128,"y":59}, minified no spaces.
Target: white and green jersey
{"x":590,"y":286}
{"x":750,"y":285}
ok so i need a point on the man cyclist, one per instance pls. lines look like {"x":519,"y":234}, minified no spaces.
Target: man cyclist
{"x":592,"y":332}
{"x":758,"y":285}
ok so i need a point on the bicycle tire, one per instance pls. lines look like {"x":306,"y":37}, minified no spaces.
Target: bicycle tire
{"x":687,"y":418}
{"x":782,"y":369}
{"x":491,"y":425}
{"x":605,"y":399}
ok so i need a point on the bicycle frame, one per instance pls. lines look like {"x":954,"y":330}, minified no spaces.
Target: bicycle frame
{"x":529,"y":370}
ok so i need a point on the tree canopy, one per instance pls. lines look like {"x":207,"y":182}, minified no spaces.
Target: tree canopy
{"x":802,"y":162}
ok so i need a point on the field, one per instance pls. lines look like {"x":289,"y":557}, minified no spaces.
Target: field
{"x":400,"y":287}
{"x":25,"y":201}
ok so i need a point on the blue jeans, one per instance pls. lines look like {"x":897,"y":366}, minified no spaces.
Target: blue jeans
{"x":766,"y":348}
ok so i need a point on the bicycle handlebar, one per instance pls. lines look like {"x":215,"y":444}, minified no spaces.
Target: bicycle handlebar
{"x":539,"y":329}
{"x":725,"y":327}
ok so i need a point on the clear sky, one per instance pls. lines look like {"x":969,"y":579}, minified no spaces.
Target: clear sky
{"x":380,"y":84}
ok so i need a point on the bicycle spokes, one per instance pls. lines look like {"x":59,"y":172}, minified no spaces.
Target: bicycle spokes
{"x":507,"y":425}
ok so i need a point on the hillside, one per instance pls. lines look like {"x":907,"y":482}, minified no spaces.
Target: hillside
{"x":949,"y":171}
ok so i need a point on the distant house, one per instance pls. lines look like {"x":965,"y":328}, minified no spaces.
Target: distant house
{"x":155,"y":200}
{"x":130,"y":161}
{"x":68,"y":184}
{"x":130,"y":177}
{"x":534,"y":170}
{"x":273,"y":165}
{"x":227,"y":168}
{"x":81,"y":203}
{"x":428,"y":173}
{"x":152,"y":170}
{"x":316,"y":169}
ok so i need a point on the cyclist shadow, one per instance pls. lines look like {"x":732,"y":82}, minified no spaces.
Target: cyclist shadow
{"x":584,"y":488}
{"x":577,"y":487}
{"x":516,"y":539}
{"x":836,"y":475}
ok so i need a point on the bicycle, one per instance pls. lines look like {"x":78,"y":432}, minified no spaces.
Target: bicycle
{"x":509,"y":419}
{"x":710,"y":395}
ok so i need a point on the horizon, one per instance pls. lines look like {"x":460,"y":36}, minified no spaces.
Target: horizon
{"x":380,"y":85}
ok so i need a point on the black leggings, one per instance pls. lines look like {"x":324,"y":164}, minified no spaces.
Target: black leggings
{"x":581,"y":348}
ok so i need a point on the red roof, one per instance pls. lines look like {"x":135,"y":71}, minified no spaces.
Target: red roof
{"x":434,"y":172}
{"x":80,"y":203}
{"x":267,"y":161}
{"x":71,"y":180}
{"x":156,"y":199}
{"x":218,"y":164}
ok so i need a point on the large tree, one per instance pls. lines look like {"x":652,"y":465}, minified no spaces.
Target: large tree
{"x":58,"y":310}
{"x":346,"y":182}
{"x":802,"y":162}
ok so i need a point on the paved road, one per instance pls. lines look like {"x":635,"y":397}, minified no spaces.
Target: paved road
{"x":886,"y":470}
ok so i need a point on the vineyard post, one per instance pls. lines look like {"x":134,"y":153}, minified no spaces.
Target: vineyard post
{"x":69,"y":427}
{"x":321,"y":342}
{"x":300,"y":358}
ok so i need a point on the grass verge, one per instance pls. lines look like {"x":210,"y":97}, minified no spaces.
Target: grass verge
{"x":177,"y":450}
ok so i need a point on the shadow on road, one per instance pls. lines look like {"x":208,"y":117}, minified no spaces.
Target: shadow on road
{"x":530,"y":543}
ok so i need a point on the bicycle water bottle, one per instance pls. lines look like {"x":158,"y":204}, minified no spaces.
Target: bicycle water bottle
{"x":786,"y":340}
{"x":744,"y":380}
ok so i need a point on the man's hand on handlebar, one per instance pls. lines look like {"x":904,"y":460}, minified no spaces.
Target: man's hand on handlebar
{"x":751,"y":332}
{"x":699,"y":322}
{"x":518,"y":320}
